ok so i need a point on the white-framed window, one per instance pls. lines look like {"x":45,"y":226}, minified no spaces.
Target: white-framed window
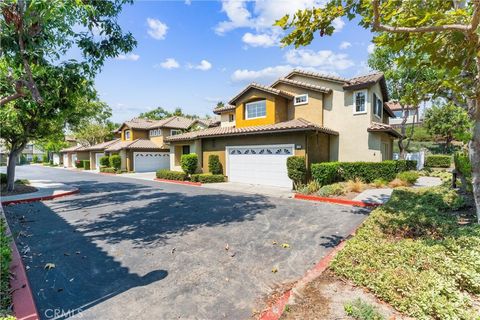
{"x":300,"y":99}
{"x":155,"y":133}
{"x":360,"y":102}
{"x":257,"y":109}
{"x":126,"y":134}
{"x":174,"y":132}
{"x":231,"y":117}
{"x":377,"y":106}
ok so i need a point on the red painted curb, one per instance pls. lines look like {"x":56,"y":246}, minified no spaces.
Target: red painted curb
{"x":276,"y":310}
{"x":6,"y":203}
{"x":107,"y":173}
{"x":190,"y":183}
{"x":335,"y":200}
{"x":22,"y":298}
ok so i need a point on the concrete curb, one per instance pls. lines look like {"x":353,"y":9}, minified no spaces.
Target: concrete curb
{"x":345,"y":202}
{"x":275,"y":311}
{"x":34,"y":199}
{"x":188,"y":183}
{"x":24,"y":307}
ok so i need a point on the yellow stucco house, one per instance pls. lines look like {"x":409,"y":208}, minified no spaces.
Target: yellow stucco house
{"x":323,"y":118}
{"x":140,"y":144}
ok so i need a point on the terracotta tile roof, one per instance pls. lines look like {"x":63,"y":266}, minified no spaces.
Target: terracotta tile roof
{"x":383,"y":127}
{"x":175,"y":122}
{"x":262,"y":88}
{"x":368,"y":78}
{"x":395,"y":105}
{"x":302,"y":84}
{"x":142,"y":144}
{"x":74,"y":148}
{"x":316,"y":75}
{"x":227,"y":107}
{"x":292,"y":125}
{"x":212,"y":122}
{"x":101,"y":146}
{"x":119,"y":145}
{"x":139,"y":123}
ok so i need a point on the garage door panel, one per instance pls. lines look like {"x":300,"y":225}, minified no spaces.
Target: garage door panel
{"x":151,"y":161}
{"x":264,"y":165}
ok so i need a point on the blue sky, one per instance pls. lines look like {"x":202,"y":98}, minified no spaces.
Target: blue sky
{"x":193,"y":54}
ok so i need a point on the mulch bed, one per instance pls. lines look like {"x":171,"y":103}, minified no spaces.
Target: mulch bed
{"x":19,"y":189}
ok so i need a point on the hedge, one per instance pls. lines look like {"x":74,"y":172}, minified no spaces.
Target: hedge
{"x":105,"y":161}
{"x":171,"y":175}
{"x":189,"y":163}
{"x":44,"y":158}
{"x":86,"y":164}
{"x":214,"y":165}
{"x":115,"y":162}
{"x":207,"y":178}
{"x":5,"y":259}
{"x":107,"y":170}
{"x":438,"y":160}
{"x":297,"y":170}
{"x":78,"y":164}
{"x":35,"y":159}
{"x":3,"y":178}
{"x":331,"y":172}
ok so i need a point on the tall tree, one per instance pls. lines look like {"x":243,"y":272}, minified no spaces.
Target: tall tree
{"x":160,"y":113}
{"x":445,"y":33}
{"x":91,"y":133}
{"x":447,"y":121}
{"x":40,"y":90}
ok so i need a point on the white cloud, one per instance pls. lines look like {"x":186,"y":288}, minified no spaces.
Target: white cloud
{"x":260,"y":40}
{"x":204,"y":66}
{"x":156,"y":29}
{"x":260,"y":15}
{"x":130,"y":57}
{"x":345,"y":45}
{"x":371,"y":48}
{"x":338,"y":24}
{"x":188,"y":2}
{"x":266,"y":74}
{"x":325,"y":59}
{"x":169,"y":63}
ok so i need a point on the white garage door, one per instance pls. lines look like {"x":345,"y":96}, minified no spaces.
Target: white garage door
{"x":56,"y":159}
{"x":74,"y":160}
{"x":65,"y":160}
{"x":265,"y":165}
{"x":150,"y":161}
{"x":97,"y":160}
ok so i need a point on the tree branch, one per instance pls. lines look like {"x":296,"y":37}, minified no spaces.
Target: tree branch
{"x":394,"y":29}
{"x":12,"y":97}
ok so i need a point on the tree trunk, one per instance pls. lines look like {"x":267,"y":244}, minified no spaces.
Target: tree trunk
{"x":474,"y":153}
{"x":12,"y":162}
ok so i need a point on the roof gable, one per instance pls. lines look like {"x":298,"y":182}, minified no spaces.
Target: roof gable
{"x":261,"y":88}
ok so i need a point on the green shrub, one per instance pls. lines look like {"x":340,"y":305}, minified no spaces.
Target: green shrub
{"x":406,"y":165}
{"x":335,"y":189}
{"x":207,"y":178}
{"x":3,"y":178}
{"x":78,"y":164}
{"x":214,"y":164}
{"x":362,"y":310}
{"x":35,"y":159}
{"x":86,"y":164}
{"x":409,"y":176}
{"x":297,"y":170}
{"x":326,"y":172}
{"x":438,"y":160}
{"x":45,"y":158}
{"x":464,"y":167}
{"x":189,"y":163}
{"x":309,"y":188}
{"x":115,"y":162}
{"x":104,"y":161}
{"x":23,"y":159}
{"x":5,"y":259}
{"x":171,"y":175}
{"x":108,"y":170}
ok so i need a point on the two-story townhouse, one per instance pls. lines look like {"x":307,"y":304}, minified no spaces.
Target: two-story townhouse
{"x":411,"y":113}
{"x":322,"y":118}
{"x":139,"y":143}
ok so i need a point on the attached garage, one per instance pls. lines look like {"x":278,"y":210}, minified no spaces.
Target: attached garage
{"x":56,"y":159}
{"x":150,"y":161}
{"x":65,"y":160}
{"x":259,"y":164}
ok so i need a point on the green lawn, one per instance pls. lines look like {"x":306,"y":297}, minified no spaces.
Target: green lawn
{"x":5,"y":258}
{"x":413,"y":254}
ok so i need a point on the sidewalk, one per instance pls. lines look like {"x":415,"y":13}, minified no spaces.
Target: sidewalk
{"x":46,"y":190}
{"x":381,"y":196}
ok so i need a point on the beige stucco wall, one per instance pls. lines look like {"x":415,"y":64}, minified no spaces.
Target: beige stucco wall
{"x":176,"y":153}
{"x":225,"y":120}
{"x":312,"y":111}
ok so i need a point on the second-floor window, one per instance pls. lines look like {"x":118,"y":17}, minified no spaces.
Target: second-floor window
{"x":360,"y":101}
{"x":377,"y":106}
{"x":257,"y":109}
{"x":155,"y":133}
{"x":175,"y":132}
{"x":127,"y":134}
{"x":300,"y":99}
{"x":231,"y":118}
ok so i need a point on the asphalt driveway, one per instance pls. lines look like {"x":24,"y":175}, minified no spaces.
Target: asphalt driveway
{"x":137,"y":249}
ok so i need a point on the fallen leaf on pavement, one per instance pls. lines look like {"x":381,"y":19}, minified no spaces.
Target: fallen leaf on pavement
{"x":274,"y":242}
{"x":49,"y":266}
{"x":274,"y":270}
{"x":285,"y":245}
{"x":227,"y":247}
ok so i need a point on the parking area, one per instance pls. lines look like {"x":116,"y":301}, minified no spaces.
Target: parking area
{"x":137,"y":249}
